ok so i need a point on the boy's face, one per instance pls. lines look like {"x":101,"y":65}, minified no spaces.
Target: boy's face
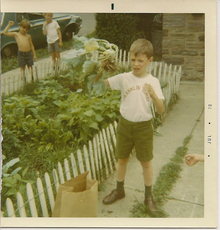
{"x":48,"y":17}
{"x":23,"y":30}
{"x":139,"y":64}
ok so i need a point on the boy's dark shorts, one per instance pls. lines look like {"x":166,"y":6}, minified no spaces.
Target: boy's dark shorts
{"x":54,"y":47}
{"x":138,"y":134}
{"x":25,"y":58}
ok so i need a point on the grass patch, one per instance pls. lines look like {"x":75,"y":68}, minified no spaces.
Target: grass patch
{"x":141,"y":211}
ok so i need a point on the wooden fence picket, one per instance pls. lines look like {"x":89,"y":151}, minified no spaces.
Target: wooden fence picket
{"x":21,"y":206}
{"x":120,"y":57}
{"x":111,"y":146}
{"x":73,"y":165}
{"x":80,"y":161}
{"x":103,"y":155}
{"x":86,"y":156}
{"x":112,"y":134}
{"x":169,"y":82}
{"x":45,"y":69}
{"x":124,"y":58}
{"x":36,"y":73}
{"x":179,"y":74}
{"x":91,"y":153}
{"x":108,"y":152}
{"x":174,"y":79}
{"x":164,"y":72}
{"x":96,"y":158}
{"x":10,"y":208}
{"x":42,"y":199}
{"x":49,"y":190}
{"x":160,"y":71}
{"x":60,"y":171}
{"x":56,"y":180}
{"x":31,"y":200}
{"x":99,"y":156}
{"x":67,"y":169}
{"x":154,"y":69}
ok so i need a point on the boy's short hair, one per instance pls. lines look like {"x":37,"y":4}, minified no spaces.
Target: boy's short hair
{"x":142,"y":46}
{"x":47,"y":13}
{"x":25,"y":24}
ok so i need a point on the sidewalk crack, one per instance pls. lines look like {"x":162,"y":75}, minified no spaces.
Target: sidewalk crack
{"x":185,"y":201}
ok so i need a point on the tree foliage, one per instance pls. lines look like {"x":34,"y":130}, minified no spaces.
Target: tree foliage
{"x":124,"y":28}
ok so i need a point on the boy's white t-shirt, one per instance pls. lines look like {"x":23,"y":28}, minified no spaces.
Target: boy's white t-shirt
{"x":52,"y":34}
{"x":135,"y":105}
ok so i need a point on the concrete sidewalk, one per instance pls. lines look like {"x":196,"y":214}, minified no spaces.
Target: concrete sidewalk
{"x":188,"y":193}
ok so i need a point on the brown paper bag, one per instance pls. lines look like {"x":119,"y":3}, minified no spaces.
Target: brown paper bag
{"x":78,"y":197}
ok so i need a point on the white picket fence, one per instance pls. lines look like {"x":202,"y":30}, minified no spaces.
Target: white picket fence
{"x":12,"y":83}
{"x":168,"y":74}
{"x":97,"y":158}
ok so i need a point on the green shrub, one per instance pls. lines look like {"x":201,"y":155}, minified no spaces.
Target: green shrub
{"x":124,"y":28}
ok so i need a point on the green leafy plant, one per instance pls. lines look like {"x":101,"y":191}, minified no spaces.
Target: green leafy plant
{"x":13,"y":179}
{"x":85,"y":60}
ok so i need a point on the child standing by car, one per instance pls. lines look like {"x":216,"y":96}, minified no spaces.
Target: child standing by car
{"x":25,"y":45}
{"x":54,"y":38}
{"x":138,"y":91}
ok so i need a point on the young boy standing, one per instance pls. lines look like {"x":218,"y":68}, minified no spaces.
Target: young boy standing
{"x":138,"y":91}
{"x":54,"y":38}
{"x":25,"y":45}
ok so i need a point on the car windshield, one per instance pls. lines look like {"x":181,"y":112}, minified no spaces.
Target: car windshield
{"x":35,"y":16}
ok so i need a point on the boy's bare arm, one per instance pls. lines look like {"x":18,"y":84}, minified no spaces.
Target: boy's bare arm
{"x":60,"y":37}
{"x":157,"y":102}
{"x":10,"y":34}
{"x":44,"y":28}
{"x":33,"y":49}
{"x":99,"y":76}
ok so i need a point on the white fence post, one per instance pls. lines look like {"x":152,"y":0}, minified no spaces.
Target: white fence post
{"x":80,"y":161}
{"x":43,"y":203}
{"x":91,"y":153}
{"x":67,"y":169}
{"x":103,"y":155}
{"x":21,"y":207}
{"x":86,"y":156}
{"x":49,"y":190}
{"x":31,"y":200}
{"x":96,"y":158}
{"x":74,"y":165}
{"x":56,"y":179}
{"x":10,"y":208}
{"x":60,"y":171}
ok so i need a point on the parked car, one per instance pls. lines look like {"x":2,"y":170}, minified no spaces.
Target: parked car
{"x":69,"y":24}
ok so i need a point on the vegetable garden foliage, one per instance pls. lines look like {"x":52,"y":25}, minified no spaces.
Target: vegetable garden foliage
{"x":58,"y":116}
{"x":84,"y":66}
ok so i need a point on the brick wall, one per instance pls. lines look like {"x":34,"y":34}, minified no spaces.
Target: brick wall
{"x":183,"y":43}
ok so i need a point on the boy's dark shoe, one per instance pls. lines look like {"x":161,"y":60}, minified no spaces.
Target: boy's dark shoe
{"x":150,"y":204}
{"x":113,"y":196}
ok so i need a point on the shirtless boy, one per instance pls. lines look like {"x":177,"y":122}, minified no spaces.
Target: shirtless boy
{"x":25,"y":45}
